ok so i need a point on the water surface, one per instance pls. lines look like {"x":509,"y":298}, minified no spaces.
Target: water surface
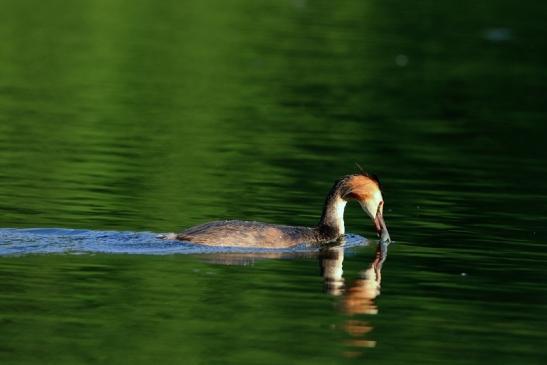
{"x":142,"y":117}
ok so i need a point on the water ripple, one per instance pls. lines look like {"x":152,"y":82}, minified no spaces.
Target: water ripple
{"x":61,"y":240}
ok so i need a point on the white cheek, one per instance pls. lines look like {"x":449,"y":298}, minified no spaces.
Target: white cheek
{"x":371,"y":205}
{"x":366,"y":208}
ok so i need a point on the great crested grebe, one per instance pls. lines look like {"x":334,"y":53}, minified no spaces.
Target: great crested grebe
{"x":362,"y":187}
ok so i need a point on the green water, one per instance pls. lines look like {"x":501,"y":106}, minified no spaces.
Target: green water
{"x":154,"y":116}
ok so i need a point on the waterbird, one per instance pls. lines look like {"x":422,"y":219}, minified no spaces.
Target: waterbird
{"x":361,"y":187}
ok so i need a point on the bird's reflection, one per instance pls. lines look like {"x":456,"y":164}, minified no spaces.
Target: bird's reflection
{"x":358,"y":296}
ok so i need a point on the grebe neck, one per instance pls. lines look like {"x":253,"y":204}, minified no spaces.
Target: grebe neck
{"x":332,"y":219}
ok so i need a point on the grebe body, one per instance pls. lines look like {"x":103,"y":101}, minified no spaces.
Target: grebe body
{"x":236,"y":233}
{"x":363,"y":188}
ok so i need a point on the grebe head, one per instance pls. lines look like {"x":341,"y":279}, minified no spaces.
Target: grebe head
{"x":366,"y":190}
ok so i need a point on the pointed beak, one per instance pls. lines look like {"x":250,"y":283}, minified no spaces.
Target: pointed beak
{"x":381,"y":228}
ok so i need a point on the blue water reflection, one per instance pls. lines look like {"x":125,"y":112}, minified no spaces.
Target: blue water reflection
{"x":60,"y":240}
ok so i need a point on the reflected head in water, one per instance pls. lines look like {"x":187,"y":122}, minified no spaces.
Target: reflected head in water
{"x":358,"y":297}
{"x":359,"y":292}
{"x":362,"y":187}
